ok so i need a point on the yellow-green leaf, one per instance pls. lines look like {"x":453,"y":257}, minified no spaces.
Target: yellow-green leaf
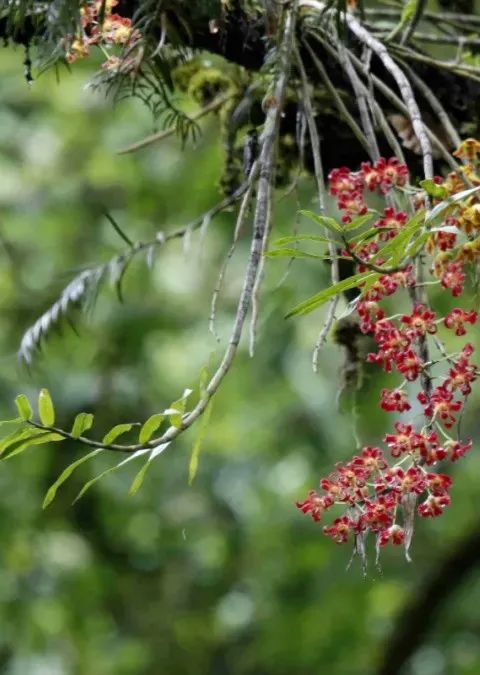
{"x":140,"y":476}
{"x":194,"y":457}
{"x":24,"y":408}
{"x":83,"y":422}
{"x":91,"y":482}
{"x":150,"y":427}
{"x":319,"y":299}
{"x":115,"y":432}
{"x":46,"y":410}
{"x":52,"y":490}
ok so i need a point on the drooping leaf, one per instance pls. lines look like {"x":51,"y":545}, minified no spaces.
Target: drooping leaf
{"x":140,"y":476}
{"x":294,"y":238}
{"x":319,"y":299}
{"x":194,"y":457}
{"x":46,"y":410}
{"x":66,"y":473}
{"x":83,"y":422}
{"x":116,"y":431}
{"x":24,"y":408}
{"x":329,"y":223}
{"x":294,"y":253}
{"x":111,"y":469}
{"x":19,"y":435}
{"x":41,"y":438}
{"x":150,"y":427}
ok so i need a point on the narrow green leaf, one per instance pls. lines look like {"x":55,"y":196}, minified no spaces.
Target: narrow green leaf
{"x":417,"y":245}
{"x":329,"y":223}
{"x":177,"y":409}
{"x":24,"y":408}
{"x":440,"y":208}
{"x":83,"y":422}
{"x":194,"y":457}
{"x":115,"y":432}
{"x":358,"y":221}
{"x":293,"y":238}
{"x":91,"y":482}
{"x":42,"y":438}
{"x":433,"y":190}
{"x":140,"y":476}
{"x":46,"y":410}
{"x":150,"y":427}
{"x":19,"y":435}
{"x":66,"y":473}
{"x":319,"y":299}
{"x":294,"y":253}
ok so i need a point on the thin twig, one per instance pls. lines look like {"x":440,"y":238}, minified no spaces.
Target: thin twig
{"x":165,"y":133}
{"x":241,"y":219}
{"x":321,"y":192}
{"x":435,"y":104}
{"x":342,"y":108}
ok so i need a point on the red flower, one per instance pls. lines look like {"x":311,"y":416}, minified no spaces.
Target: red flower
{"x":395,"y":534}
{"x":315,"y":505}
{"x":394,"y":400}
{"x":453,"y":278}
{"x":379,"y":513}
{"x":433,"y":506}
{"x":421,"y":322}
{"x":343,"y":181}
{"x":408,"y":440}
{"x":392,"y":221}
{"x":409,"y":364}
{"x":371,"y":459}
{"x":456,"y":449}
{"x":339,"y":529}
{"x":440,"y":405}
{"x":456,"y":319}
{"x":405,"y":482}
{"x":438,"y":483}
{"x":369,"y":312}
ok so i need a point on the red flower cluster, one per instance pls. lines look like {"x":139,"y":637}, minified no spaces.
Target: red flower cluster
{"x":376,"y":488}
{"x":349,"y":187}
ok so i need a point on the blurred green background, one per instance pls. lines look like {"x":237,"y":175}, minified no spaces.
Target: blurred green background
{"x":224,"y":577}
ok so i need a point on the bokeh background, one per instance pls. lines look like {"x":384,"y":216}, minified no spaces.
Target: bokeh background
{"x":224,"y":577}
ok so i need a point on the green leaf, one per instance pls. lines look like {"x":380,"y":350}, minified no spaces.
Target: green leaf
{"x":19,"y":435}
{"x":46,"y":410}
{"x":140,"y":476}
{"x":417,"y":245}
{"x":329,"y":223}
{"x":115,"y":432}
{"x":40,"y":439}
{"x":433,"y":190}
{"x":83,"y":422}
{"x":24,"y":408}
{"x":91,"y":482}
{"x":358,"y":221}
{"x":319,"y":299}
{"x":177,"y":409}
{"x":150,"y":427}
{"x":66,"y":473}
{"x":293,"y":238}
{"x":408,"y":11}
{"x":194,"y":457}
{"x":294,"y":253}
{"x":440,"y":208}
